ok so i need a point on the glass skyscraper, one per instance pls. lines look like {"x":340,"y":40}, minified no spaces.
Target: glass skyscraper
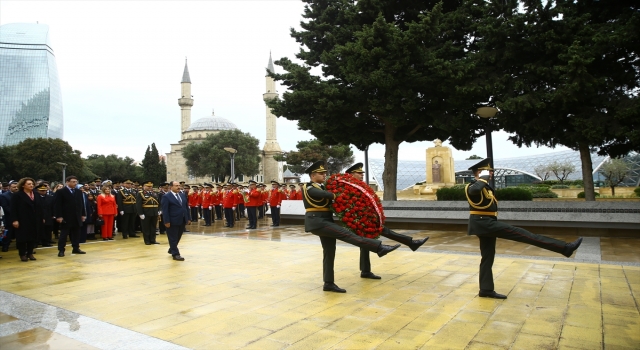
{"x":30,"y":98}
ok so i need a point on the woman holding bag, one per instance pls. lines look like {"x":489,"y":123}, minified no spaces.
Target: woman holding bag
{"x":27,"y":218}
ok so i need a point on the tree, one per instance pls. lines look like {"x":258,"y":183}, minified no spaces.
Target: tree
{"x":113,"y":167}
{"x":337,"y":157}
{"x":208,"y":158}
{"x":392,"y":72}
{"x":561,"y":170}
{"x":38,"y":158}
{"x":474,"y":157}
{"x":152,"y":166}
{"x":614,"y":172}
{"x":564,"y":73}
{"x":543,"y":171}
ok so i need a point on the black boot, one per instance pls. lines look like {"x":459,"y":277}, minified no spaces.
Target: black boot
{"x":416,"y":243}
{"x":571,"y":247}
{"x":331,"y":287}
{"x":386,"y":249}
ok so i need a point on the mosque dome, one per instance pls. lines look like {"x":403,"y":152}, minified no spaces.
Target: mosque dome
{"x":212,"y":123}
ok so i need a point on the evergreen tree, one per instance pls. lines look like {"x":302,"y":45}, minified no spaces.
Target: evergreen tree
{"x":337,"y":157}
{"x":208,"y":158}
{"x":391,"y":72}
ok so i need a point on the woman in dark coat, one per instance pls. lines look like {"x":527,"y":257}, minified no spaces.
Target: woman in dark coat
{"x":27,"y":218}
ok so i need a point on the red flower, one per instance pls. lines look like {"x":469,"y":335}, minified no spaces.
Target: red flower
{"x":356,"y":205}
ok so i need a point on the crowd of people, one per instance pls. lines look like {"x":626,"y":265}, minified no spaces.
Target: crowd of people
{"x":34,"y":213}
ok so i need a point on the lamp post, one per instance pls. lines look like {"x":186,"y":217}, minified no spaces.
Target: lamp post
{"x":64,"y":171}
{"x":488,"y":113}
{"x":233,"y":152}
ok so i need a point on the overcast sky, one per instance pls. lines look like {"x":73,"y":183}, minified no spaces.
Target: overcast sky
{"x":121,"y":62}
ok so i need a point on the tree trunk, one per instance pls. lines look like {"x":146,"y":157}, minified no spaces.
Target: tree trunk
{"x":390,"y":174}
{"x":587,"y":172}
{"x":613,"y":191}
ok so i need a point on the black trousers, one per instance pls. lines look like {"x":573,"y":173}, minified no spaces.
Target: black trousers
{"x":194,"y":214}
{"x":26,"y":247}
{"x":206,"y":213}
{"x":365,"y":262}
{"x":174,"y":234}
{"x":45,"y":237}
{"x":252,"y":215}
{"x":512,"y":233}
{"x":328,"y":236}
{"x":241,"y":207}
{"x":148,"y":225}
{"x":74,"y":236}
{"x":163,"y":229}
{"x":260,"y":211}
{"x":275,"y":216}
{"x":228,"y":215}
{"x":128,"y":222}
{"x":218,"y":209}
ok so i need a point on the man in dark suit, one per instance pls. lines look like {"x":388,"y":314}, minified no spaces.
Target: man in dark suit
{"x":70,"y":213}
{"x":47,"y":207}
{"x":175,"y":213}
{"x":483,"y":222}
{"x":5,"y":202}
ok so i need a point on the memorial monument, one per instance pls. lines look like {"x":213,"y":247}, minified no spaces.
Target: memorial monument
{"x":440,"y":171}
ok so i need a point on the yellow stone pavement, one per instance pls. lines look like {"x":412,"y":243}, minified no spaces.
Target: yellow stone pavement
{"x":262,"y":294}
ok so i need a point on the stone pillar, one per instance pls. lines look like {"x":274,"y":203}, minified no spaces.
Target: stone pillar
{"x":440,"y":158}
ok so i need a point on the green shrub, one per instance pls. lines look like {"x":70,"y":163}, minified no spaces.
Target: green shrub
{"x":577,"y":183}
{"x":462,"y":186}
{"x":451,"y":194}
{"x":545,"y":195}
{"x":551,"y":182}
{"x":559,"y":187}
{"x":581,"y":194}
{"x":514,"y":194}
{"x":636,"y":191}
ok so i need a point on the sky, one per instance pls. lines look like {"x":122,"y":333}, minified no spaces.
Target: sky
{"x":121,"y":62}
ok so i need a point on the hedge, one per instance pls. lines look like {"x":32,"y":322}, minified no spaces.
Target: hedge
{"x":506,"y":194}
{"x":581,"y":194}
{"x":637,"y":191}
{"x":545,"y":195}
{"x":513,"y":194}
{"x":557,"y":187}
{"x":451,"y":194}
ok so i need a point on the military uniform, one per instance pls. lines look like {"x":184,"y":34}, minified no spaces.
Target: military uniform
{"x":126,"y":199}
{"x":483,"y":222}
{"x":161,"y":193}
{"x":147,"y":208}
{"x":318,"y":220}
{"x":365,"y":261}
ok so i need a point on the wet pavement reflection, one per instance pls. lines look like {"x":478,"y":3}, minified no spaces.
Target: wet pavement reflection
{"x":262,"y":289}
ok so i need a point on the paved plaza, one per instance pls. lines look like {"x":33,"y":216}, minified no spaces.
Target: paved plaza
{"x":262,"y":289}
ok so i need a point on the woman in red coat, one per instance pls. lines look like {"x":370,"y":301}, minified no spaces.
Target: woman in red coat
{"x":107,"y":210}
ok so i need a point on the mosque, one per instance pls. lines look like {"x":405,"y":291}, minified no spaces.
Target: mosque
{"x":269,"y":168}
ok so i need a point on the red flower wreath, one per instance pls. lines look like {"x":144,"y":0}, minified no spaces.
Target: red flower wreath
{"x":356,"y":205}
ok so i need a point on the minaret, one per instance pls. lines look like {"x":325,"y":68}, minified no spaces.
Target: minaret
{"x":185,"y":102}
{"x":271,"y":167}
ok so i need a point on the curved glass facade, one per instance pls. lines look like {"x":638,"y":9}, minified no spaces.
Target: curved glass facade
{"x":509,"y":171}
{"x":30,"y":97}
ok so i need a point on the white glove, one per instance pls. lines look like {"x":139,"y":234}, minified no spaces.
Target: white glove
{"x":484,"y":173}
{"x":121,"y":213}
{"x":160,"y":212}
{"x":142,"y":217}
{"x":277,"y":206}
{"x":210,"y":207}
{"x":234,"y":208}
